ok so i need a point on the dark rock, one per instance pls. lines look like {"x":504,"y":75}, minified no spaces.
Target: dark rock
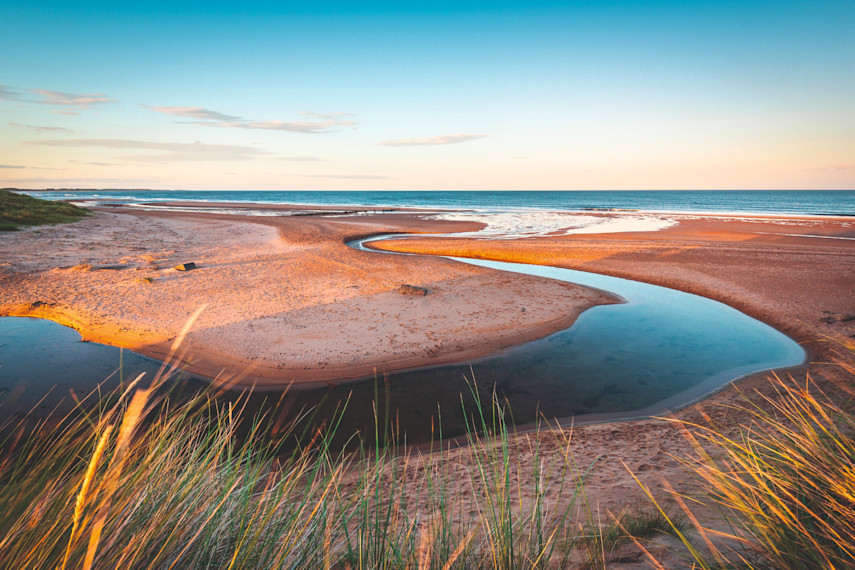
{"x":186,"y":266}
{"x":412,"y":290}
{"x":111,"y":267}
{"x":830,"y":317}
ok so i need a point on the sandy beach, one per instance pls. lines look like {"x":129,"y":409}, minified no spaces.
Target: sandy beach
{"x":792,"y":273}
{"x":287,"y":301}
{"x":287,"y":297}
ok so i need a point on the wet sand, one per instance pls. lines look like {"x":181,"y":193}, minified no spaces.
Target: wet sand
{"x":287,"y":301}
{"x":795,"y":274}
{"x":792,"y":273}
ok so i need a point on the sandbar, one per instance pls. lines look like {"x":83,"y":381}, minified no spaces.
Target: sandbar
{"x":287,"y":302}
{"x":792,"y":272}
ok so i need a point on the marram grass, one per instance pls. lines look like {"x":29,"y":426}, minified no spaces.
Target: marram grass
{"x":145,"y":482}
{"x":784,"y":479}
{"x":148,"y":482}
{"x":787,"y":479}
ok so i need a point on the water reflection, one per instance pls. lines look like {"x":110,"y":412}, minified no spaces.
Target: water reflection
{"x":659,"y":350}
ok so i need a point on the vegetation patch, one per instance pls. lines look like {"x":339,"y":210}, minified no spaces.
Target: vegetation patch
{"x":148,"y":481}
{"x":18,"y":210}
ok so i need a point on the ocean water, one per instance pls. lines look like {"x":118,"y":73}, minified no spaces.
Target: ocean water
{"x":789,"y":202}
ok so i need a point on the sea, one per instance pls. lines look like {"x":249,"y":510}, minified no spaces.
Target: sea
{"x":779,"y":202}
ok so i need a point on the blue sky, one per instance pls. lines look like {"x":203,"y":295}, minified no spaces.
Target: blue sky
{"x":428,"y":95}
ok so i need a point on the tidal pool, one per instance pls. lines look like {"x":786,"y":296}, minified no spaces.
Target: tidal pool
{"x":659,"y":350}
{"x":44,"y":366}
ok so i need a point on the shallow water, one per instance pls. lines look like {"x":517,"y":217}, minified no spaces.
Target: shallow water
{"x":42,"y":363}
{"x":660,"y":350}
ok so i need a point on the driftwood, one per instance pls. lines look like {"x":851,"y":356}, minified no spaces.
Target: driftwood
{"x":412,"y":290}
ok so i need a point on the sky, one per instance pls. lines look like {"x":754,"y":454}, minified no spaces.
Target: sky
{"x":500,"y":95}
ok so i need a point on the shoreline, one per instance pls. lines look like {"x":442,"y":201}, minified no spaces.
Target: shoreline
{"x":799,"y":285}
{"x":288,"y":300}
{"x":689,"y":233}
{"x":645,"y":257}
{"x":623,"y":203}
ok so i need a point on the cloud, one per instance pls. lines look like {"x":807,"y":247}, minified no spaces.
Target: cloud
{"x":41,"y":129}
{"x":300,"y":158}
{"x":209,"y":118}
{"x":11,"y":166}
{"x":9,"y":93}
{"x":334,"y":116}
{"x":345,"y":176}
{"x":95,"y":163}
{"x":430,"y":141}
{"x":82,"y":182}
{"x":57,"y":98}
{"x":167,"y":152}
{"x":841,"y":166}
{"x":290,"y":126}
{"x":193,"y":113}
{"x":82,"y":100}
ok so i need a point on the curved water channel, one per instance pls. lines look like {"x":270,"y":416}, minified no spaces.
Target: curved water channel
{"x":659,"y":350}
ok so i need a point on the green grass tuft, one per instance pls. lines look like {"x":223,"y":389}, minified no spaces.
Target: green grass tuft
{"x":788,"y":478}
{"x":147,"y":480}
{"x":22,"y":210}
{"x":784,"y":479}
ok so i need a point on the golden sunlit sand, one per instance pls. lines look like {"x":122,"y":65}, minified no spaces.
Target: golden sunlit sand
{"x":286,"y":299}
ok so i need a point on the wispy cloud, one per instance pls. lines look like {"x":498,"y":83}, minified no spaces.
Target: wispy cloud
{"x":331,"y":116}
{"x":192,"y":112}
{"x":55,"y":98}
{"x":82,"y":100}
{"x":9,"y":93}
{"x":65,"y":112}
{"x":345,"y":176}
{"x":325,"y":126}
{"x":431,"y":141}
{"x":841,"y":166}
{"x":209,"y":118}
{"x":84,"y":182}
{"x":300,"y":158}
{"x":41,"y":129}
{"x":11,"y":166}
{"x":88,"y":163}
{"x":166,"y":152}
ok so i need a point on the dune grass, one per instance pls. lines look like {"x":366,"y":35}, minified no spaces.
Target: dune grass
{"x":784,"y":479}
{"x":18,"y":210}
{"x":148,"y":480}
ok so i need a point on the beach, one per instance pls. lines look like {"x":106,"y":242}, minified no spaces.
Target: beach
{"x":289,"y":302}
{"x":794,"y":273}
{"x":286,"y":300}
